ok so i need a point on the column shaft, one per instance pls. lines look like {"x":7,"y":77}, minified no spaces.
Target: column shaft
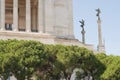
{"x":99,"y":33}
{"x":28,"y":15}
{"x":2,"y":14}
{"x":15,"y":15}
{"x":34,"y":25}
{"x":40,"y":16}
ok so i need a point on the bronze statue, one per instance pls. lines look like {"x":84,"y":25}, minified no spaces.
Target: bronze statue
{"x":82,"y":23}
{"x":98,"y":12}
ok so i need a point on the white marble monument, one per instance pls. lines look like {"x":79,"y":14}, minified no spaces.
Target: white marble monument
{"x":48,"y":21}
{"x":39,"y":16}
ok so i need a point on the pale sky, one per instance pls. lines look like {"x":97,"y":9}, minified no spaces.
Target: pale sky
{"x":110,"y":16}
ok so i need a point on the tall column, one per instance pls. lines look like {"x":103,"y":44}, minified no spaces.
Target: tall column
{"x":28,"y":15}
{"x":101,"y":47}
{"x":15,"y":15}
{"x":99,"y":32}
{"x":2,"y":14}
{"x":83,"y":36}
{"x":83,"y":30}
{"x":40,"y":16}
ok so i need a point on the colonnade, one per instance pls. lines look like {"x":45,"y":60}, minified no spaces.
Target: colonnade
{"x":27,"y":15}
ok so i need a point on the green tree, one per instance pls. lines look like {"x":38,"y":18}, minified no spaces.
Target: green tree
{"x":25,"y":59}
{"x":112,"y":71}
{"x":21,"y":58}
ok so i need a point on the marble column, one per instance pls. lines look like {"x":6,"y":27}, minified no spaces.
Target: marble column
{"x":99,"y":32}
{"x":15,"y":15}
{"x":28,"y":15}
{"x":100,"y":45}
{"x":40,"y":16}
{"x":34,"y":26}
{"x":2,"y":14}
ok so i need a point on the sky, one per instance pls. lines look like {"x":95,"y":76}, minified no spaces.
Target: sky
{"x":110,"y":17}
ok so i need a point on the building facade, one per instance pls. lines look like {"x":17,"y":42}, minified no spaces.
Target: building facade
{"x":40,"y":16}
{"x":47,"y":21}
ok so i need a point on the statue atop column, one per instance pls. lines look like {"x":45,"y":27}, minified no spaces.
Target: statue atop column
{"x":98,"y":13}
{"x":83,"y":31}
{"x":101,"y":47}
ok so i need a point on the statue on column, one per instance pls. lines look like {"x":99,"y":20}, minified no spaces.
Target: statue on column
{"x":98,"y":13}
{"x":101,"y":47}
{"x":83,"y":31}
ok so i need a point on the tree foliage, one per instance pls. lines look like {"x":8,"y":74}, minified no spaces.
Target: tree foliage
{"x":25,"y":59}
{"x":112,"y":64}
